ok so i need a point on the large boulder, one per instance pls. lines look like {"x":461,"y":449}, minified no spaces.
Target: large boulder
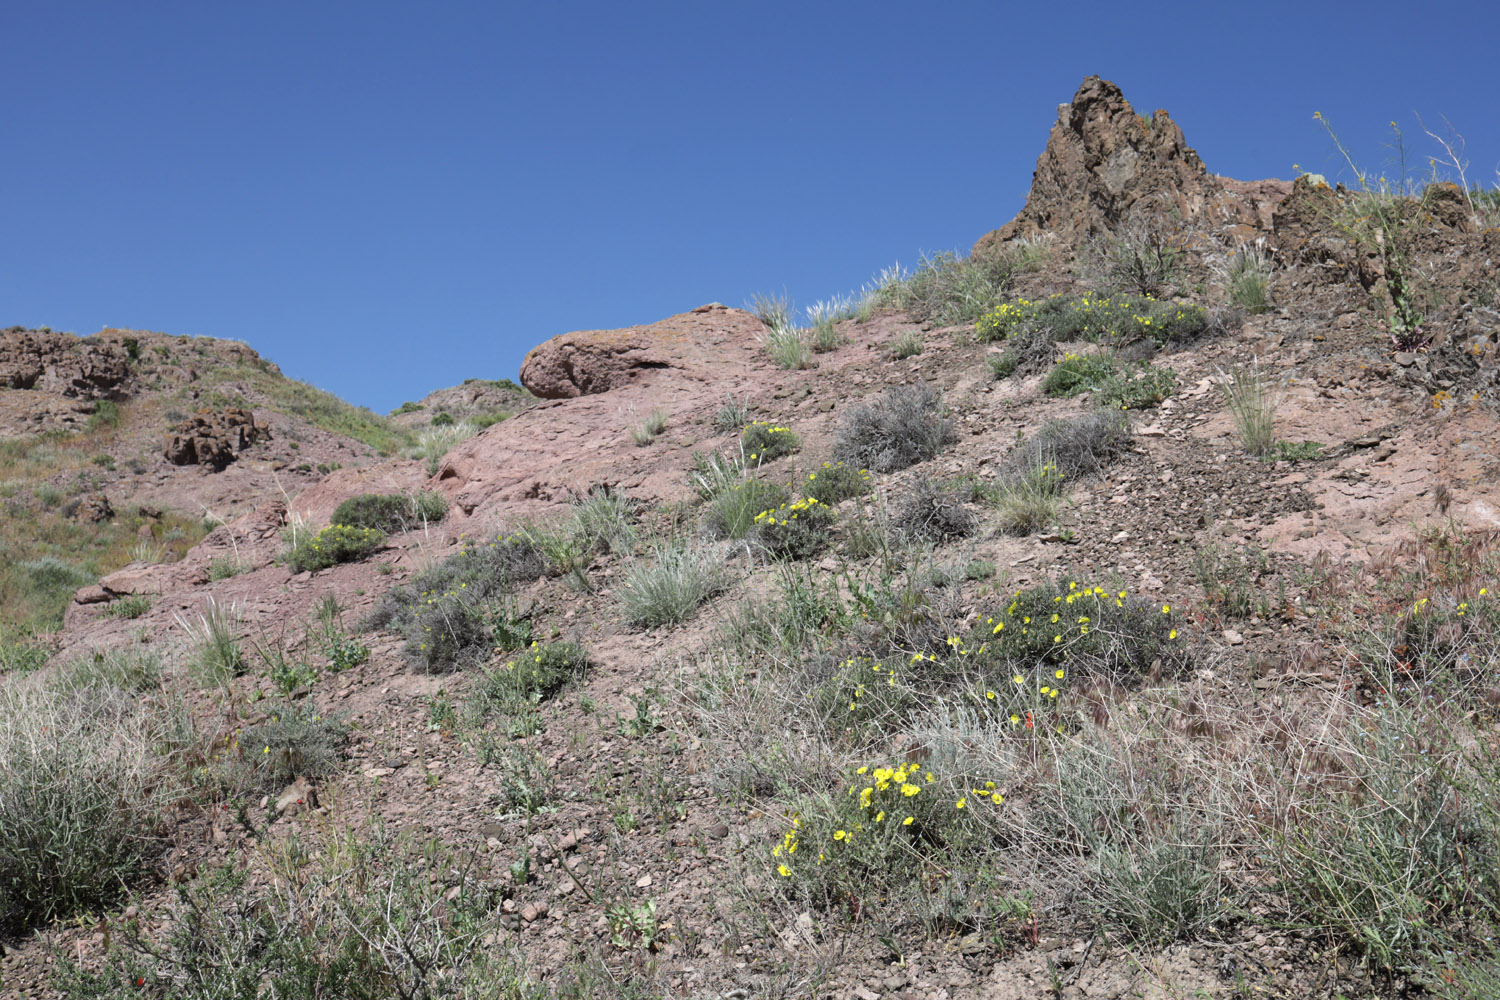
{"x":692,"y":344}
{"x":1106,"y":166}
{"x":213,"y":438}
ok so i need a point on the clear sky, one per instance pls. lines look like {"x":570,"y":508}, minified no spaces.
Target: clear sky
{"x":386,"y":198}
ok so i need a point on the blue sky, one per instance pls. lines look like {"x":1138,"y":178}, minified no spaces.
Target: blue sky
{"x":386,"y":198}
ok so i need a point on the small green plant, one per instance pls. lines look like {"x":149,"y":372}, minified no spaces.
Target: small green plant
{"x":1031,"y":499}
{"x":713,"y":473}
{"x":788,"y":348}
{"x":525,"y":787}
{"x":979,"y":569}
{"x":633,"y":927}
{"x":1137,"y":386}
{"x":764,"y":441}
{"x":21,"y":652}
{"x":335,"y":544}
{"x":131,"y":606}
{"x":533,"y":675}
{"x":1115,"y":320}
{"x":733,"y":415}
{"x":106,"y":414}
{"x":646,"y":430}
{"x":907,"y":345}
{"x":1294,"y":451}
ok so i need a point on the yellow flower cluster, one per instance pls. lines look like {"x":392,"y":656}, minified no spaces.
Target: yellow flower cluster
{"x":786,"y":513}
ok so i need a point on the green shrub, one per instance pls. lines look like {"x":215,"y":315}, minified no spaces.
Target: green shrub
{"x":443,"y":419}
{"x":1136,"y":386}
{"x":1115,"y":319}
{"x":1076,"y":373}
{"x":106,"y":414}
{"x":762,"y":441}
{"x":132,"y":606}
{"x":835,"y":482}
{"x":1078,"y":447}
{"x":1066,"y":629}
{"x":22,"y":652}
{"x":294,"y":741}
{"x":796,"y":530}
{"x":733,"y":512}
{"x":668,"y":589}
{"x":902,"y":426}
{"x":226,"y":566}
{"x":335,"y":544}
{"x":391,"y":512}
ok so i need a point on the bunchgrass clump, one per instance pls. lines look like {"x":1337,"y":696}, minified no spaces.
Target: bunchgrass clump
{"x":85,"y":787}
{"x":949,"y":290}
{"x":214,"y":653}
{"x":715,"y":472}
{"x":733,"y":511}
{"x":1252,"y":404}
{"x":1144,"y":258}
{"x":130,"y":606}
{"x":906,"y":345}
{"x":335,"y":544}
{"x":1031,"y":495}
{"x":391,"y":512}
{"x":899,"y":428}
{"x":648,"y":428}
{"x":341,"y":913}
{"x":436,"y":441}
{"x":1246,"y":277}
{"x":667,"y":588}
{"x":764,"y":441}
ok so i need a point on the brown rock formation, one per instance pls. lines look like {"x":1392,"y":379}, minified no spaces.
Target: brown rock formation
{"x":61,"y":364}
{"x":1105,"y":165}
{"x":213,"y":439}
{"x":594,"y":361}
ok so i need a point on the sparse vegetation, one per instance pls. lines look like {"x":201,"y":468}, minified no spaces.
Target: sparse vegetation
{"x":835,"y":482}
{"x":907,"y":345}
{"x":1143,"y":258}
{"x":648,"y":428}
{"x":1246,"y":276}
{"x":294,"y":741}
{"x":948,"y":290}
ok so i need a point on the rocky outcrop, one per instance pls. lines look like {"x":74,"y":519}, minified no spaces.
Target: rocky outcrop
{"x":61,"y":364}
{"x":213,"y":438}
{"x":1106,"y":166}
{"x":697,"y":343}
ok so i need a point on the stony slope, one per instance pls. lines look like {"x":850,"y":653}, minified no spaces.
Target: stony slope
{"x":650,"y":799}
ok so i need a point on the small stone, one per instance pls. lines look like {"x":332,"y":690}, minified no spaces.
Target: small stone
{"x":533,"y":912}
{"x":644,"y":882}
{"x":566,"y":887}
{"x":1232,"y":637}
{"x":718,"y":832}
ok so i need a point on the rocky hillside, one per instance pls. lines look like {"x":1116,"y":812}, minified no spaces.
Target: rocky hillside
{"x":1108,"y":613}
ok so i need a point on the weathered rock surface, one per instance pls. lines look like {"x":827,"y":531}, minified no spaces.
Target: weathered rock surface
{"x":213,"y":438}
{"x":1105,"y":166}
{"x":693,"y":345}
{"x":61,"y":364}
